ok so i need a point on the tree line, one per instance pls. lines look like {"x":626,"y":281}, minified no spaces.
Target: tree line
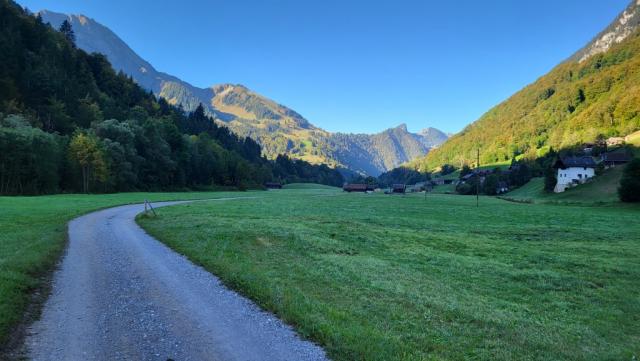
{"x":69,"y":122}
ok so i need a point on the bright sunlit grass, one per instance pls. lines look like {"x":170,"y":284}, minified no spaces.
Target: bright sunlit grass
{"x":375,"y":277}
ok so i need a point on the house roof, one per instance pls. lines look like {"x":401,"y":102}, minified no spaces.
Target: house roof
{"x":355,"y":186}
{"x":575,"y":162}
{"x":616,"y":156}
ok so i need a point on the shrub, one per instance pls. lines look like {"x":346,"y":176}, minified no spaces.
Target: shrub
{"x":550,"y":179}
{"x":629,"y":190}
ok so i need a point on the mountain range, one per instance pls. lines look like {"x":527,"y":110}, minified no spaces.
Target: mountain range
{"x":594,"y":94}
{"x":278,"y":129}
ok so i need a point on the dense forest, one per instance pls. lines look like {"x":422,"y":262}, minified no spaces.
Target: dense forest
{"x":69,"y":122}
{"x":576,"y":102}
{"x":402,"y":175}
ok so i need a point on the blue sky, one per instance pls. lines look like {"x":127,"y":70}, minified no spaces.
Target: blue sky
{"x":357,"y":66}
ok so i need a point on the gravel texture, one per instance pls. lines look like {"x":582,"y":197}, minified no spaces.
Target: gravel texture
{"x":119,"y":294}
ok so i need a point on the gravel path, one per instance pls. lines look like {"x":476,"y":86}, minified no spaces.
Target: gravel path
{"x":119,"y":294}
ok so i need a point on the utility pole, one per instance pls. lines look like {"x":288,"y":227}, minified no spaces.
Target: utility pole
{"x":478,"y":179}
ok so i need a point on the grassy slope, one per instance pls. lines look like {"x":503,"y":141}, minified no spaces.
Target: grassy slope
{"x":634,"y":139}
{"x":603,"y":188}
{"x":375,"y":277}
{"x":33,"y":236}
{"x":540,"y":114}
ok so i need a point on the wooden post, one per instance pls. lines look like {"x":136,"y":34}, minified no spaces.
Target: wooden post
{"x":478,"y":179}
{"x":146,"y":202}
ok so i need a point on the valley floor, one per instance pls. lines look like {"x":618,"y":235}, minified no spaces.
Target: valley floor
{"x":381,"y":277}
{"x":375,"y":277}
{"x":33,"y":237}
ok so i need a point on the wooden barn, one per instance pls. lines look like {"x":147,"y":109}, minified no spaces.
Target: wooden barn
{"x":399,"y":188}
{"x":616,"y":157}
{"x":273,"y":185}
{"x":357,"y":187}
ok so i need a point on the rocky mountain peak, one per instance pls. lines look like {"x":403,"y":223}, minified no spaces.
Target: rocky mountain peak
{"x":623,"y":26}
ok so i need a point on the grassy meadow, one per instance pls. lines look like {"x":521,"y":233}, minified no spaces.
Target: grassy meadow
{"x":377,"y":277}
{"x":33,"y":237}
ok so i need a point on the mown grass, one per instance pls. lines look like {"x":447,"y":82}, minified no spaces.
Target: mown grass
{"x":33,"y":236}
{"x":602,"y":189}
{"x":444,"y":189}
{"x":307,"y":186}
{"x":375,"y":277}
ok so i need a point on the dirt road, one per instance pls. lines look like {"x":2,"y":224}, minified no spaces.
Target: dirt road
{"x":122,"y":295}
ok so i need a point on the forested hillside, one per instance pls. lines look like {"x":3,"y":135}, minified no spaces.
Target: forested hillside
{"x":595,"y":94}
{"x":69,"y":122}
{"x":277,"y":128}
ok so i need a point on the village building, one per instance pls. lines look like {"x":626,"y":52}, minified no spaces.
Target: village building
{"x":503,"y":187}
{"x":419,"y":187}
{"x":273,"y":185}
{"x":617,"y":157}
{"x":358,"y":187}
{"x":398,"y":188}
{"x":573,"y":171}
{"x":587,"y":148}
{"x":614,"y":141}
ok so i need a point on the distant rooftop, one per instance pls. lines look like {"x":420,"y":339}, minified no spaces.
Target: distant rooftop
{"x":575,"y":162}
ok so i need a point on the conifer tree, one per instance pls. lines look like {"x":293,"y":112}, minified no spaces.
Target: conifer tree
{"x":67,"y":30}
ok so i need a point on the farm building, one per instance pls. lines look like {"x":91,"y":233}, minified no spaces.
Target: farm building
{"x":420,"y":187}
{"x":503,"y":187}
{"x":616,"y":157}
{"x":398,"y":188}
{"x":273,"y":185}
{"x":573,"y":171}
{"x":358,"y":187}
{"x":613,"y":141}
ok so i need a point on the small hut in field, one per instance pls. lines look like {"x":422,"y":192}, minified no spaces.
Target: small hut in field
{"x":273,"y":185}
{"x":399,"y":188}
{"x":355,"y":187}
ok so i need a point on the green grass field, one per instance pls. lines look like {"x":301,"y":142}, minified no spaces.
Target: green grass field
{"x":307,"y":186}
{"x":602,"y":189}
{"x":376,"y":277}
{"x":634,"y":139}
{"x":444,"y":189}
{"x":33,"y":237}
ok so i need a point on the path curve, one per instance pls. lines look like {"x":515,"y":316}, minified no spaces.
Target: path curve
{"x":119,"y":294}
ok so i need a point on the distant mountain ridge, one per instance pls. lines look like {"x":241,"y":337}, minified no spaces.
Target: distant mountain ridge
{"x":278,"y":129}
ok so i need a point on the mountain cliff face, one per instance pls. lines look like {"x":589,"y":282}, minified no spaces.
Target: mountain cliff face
{"x":594,"y":94}
{"x":278,"y":129}
{"x":623,"y":26}
{"x":369,"y":153}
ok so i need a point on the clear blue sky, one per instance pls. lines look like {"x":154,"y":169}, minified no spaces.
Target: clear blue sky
{"x":362,"y":65}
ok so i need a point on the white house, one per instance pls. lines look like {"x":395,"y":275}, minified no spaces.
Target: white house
{"x":573,"y":171}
